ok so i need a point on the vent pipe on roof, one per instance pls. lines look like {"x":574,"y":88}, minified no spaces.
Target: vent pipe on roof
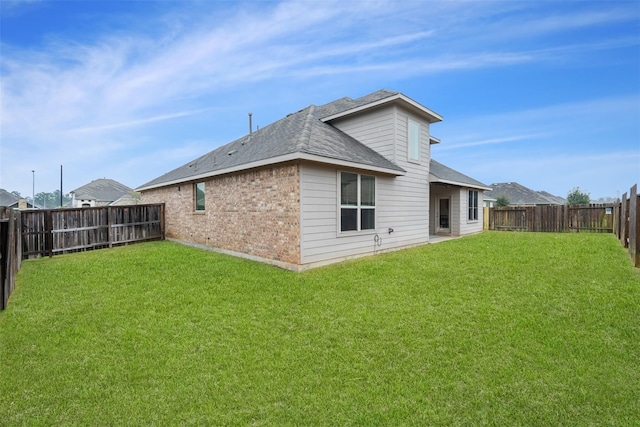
{"x":250,"y":124}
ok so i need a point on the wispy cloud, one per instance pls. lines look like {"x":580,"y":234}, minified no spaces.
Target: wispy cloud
{"x":494,"y":141}
{"x":137,"y":122}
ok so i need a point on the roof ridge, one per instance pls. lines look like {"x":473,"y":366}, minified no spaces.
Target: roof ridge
{"x":307,"y":130}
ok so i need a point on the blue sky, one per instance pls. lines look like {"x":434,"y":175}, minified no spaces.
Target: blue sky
{"x":546,"y":94}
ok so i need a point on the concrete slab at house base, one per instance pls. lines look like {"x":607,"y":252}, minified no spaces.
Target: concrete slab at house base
{"x":441,"y":238}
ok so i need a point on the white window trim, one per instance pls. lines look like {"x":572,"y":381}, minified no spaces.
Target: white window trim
{"x":477,"y":207}
{"x":357,"y":232}
{"x":411,"y":122}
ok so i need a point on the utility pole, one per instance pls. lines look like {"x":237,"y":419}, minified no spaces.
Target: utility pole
{"x":60,"y":185}
{"x":33,"y":189}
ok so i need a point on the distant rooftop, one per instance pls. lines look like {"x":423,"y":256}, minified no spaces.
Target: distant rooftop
{"x":518,"y":194}
{"x":101,"y":190}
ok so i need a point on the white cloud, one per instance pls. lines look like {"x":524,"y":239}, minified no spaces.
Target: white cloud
{"x":138,"y":122}
{"x":492,"y":141}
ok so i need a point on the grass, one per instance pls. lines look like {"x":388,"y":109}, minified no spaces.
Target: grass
{"x":494,"y":329}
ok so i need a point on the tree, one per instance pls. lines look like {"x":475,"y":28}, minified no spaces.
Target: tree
{"x":66,"y":198}
{"x":502,"y":201}
{"x":577,"y":197}
{"x":51,"y":200}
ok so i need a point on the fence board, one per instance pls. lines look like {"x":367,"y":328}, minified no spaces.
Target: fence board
{"x":624,"y":212}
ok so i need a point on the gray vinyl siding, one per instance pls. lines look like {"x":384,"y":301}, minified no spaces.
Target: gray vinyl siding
{"x":318,"y":212}
{"x":466,"y":226}
{"x":374,"y":129}
{"x":402,"y":202}
{"x":458,"y":211}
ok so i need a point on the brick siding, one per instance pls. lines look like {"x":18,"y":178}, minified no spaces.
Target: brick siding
{"x":255,"y":212}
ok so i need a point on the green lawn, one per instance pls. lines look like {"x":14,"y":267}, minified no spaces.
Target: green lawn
{"x":504,"y":329}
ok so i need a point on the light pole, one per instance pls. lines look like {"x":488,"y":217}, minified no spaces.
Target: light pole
{"x":33,"y":189}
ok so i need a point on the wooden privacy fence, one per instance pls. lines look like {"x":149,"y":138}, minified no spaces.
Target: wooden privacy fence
{"x":555,"y":218}
{"x":58,"y":231}
{"x":10,"y":252}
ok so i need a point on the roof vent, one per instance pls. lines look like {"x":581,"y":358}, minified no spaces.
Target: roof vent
{"x":232,"y":152}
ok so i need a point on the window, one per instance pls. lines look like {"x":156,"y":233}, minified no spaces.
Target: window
{"x":357,"y":202}
{"x":199,"y":196}
{"x":414,"y":141}
{"x":473,"y":205}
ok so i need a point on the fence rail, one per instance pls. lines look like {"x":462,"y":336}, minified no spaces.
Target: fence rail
{"x":55,"y":231}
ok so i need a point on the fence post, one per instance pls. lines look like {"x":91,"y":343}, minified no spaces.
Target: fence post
{"x":18,"y":241}
{"x":624,"y":220}
{"x":633,"y":226}
{"x":9,"y":259}
{"x":5,"y":249}
{"x":110,"y":226}
{"x":485,"y":218}
{"x":48,"y":233}
{"x":4,"y":225}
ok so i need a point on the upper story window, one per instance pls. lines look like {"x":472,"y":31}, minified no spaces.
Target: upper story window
{"x":473,"y":205}
{"x":414,"y":141}
{"x":357,"y":202}
{"x":198,"y":201}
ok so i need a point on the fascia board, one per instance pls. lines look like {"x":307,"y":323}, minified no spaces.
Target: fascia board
{"x":433,"y":178}
{"x":432,"y":115}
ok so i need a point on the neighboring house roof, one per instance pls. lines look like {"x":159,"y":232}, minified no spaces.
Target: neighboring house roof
{"x":444,"y":174}
{"x":11,"y":200}
{"x":555,"y":199}
{"x":520,"y":195}
{"x":127,"y":199}
{"x":8,"y":199}
{"x":305,"y":135}
{"x":101,"y":190}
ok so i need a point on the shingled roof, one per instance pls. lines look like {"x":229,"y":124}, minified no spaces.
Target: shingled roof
{"x":444,"y":174}
{"x":102,"y":190}
{"x":518,"y":194}
{"x":304,"y":135}
{"x":8,"y":199}
{"x":11,"y":200}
